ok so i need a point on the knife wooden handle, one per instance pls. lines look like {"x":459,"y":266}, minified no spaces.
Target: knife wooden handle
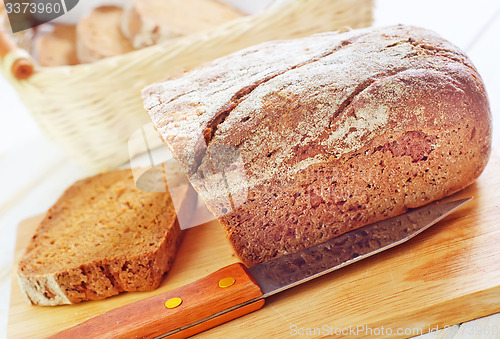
{"x":201,"y":299}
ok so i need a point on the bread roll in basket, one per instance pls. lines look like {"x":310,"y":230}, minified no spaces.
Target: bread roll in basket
{"x":91,"y":110}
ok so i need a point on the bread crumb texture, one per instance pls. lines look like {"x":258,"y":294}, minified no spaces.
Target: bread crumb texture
{"x":102,"y":237}
{"x":336,"y":131}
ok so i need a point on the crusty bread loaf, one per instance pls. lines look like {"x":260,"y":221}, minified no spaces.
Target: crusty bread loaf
{"x":57,"y":48}
{"x":147,"y":22}
{"x":99,"y":35}
{"x":102,"y":237}
{"x":335,"y":131}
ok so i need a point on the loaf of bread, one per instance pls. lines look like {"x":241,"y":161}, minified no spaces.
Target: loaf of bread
{"x":147,"y":22}
{"x":57,"y":48}
{"x":99,"y":35}
{"x":102,"y":237}
{"x":335,"y":131}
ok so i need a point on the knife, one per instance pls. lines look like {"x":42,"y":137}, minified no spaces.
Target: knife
{"x":236,"y":290}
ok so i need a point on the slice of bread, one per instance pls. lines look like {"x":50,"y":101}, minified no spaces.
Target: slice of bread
{"x":147,"y":22}
{"x":99,"y":35}
{"x":57,"y":48}
{"x":102,"y":237}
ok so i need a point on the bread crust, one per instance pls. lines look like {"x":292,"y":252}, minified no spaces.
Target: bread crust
{"x":336,"y":131}
{"x":101,"y":238}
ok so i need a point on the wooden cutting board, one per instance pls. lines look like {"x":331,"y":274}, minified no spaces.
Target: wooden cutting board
{"x":445,"y":276}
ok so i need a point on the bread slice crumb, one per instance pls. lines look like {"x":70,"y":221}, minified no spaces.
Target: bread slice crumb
{"x":102,"y":237}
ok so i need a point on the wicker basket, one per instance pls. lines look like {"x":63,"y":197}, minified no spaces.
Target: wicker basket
{"x":91,"y":110}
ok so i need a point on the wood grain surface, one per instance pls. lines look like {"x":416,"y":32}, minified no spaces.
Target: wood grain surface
{"x":445,"y":276}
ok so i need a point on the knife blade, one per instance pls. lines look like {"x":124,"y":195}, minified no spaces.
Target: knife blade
{"x":235,"y":290}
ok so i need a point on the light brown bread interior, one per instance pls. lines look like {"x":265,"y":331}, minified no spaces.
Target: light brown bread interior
{"x":102,"y":237}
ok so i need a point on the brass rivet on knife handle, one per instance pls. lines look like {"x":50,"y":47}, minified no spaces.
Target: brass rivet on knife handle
{"x":173,"y":302}
{"x":226,"y":282}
